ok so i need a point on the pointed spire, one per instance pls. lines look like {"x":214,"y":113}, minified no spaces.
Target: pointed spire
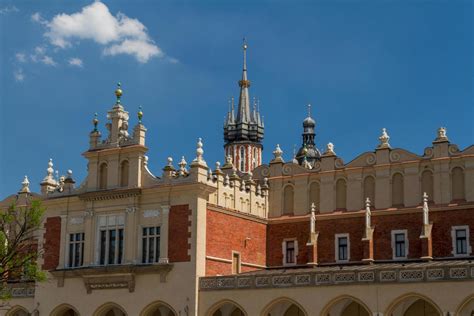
{"x":243,"y":111}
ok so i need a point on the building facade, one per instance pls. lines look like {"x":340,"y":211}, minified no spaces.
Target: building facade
{"x":388,"y":233}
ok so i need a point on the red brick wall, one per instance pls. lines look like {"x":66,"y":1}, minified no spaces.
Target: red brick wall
{"x":277,"y":232}
{"x":226,"y":233}
{"x":178,"y":233}
{"x":52,"y":242}
{"x":384,"y":224}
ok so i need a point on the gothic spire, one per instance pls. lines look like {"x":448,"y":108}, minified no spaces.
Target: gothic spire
{"x":243,"y":110}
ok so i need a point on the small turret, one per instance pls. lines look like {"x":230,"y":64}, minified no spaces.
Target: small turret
{"x":308,"y":153}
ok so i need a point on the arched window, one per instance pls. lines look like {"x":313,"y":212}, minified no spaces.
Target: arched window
{"x":341,"y":192}
{"x":397,"y":190}
{"x":103,"y":176}
{"x":288,"y":200}
{"x":427,"y":184}
{"x":242,"y":158}
{"x":369,"y":189}
{"x":124,"y":174}
{"x":457,"y":184}
{"x":314,"y":191}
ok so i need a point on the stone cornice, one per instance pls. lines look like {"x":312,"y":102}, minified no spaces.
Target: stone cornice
{"x":231,"y":212}
{"x":109,"y":194}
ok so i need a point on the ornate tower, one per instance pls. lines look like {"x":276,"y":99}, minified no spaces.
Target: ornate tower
{"x":308,"y":151}
{"x":243,"y":134}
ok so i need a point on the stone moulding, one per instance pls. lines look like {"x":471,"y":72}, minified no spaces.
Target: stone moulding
{"x":110,"y":194}
{"x":111,"y":277}
{"x":21,"y":289}
{"x":430,"y":272}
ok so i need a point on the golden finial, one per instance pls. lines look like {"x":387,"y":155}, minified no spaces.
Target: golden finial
{"x":140,"y":114}
{"x":118,"y":92}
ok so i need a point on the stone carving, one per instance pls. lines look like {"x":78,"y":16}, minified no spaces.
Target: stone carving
{"x":262,"y":281}
{"x":394,"y":156}
{"x":441,"y":135}
{"x":368,"y":215}
{"x":458,"y":273}
{"x":411,"y":275}
{"x":182,"y":167}
{"x":89,"y":213}
{"x":244,"y":282}
{"x":151,"y":213}
{"x":384,"y":138}
{"x":435,"y":274}
{"x":199,"y":155}
{"x":329,"y":150}
{"x":283,"y":280}
{"x":313,"y":219}
{"x":428,"y":153}
{"x":338,"y":163}
{"x":371,"y":159}
{"x":366,"y":276}
{"x":386,"y":276}
{"x":277,"y":154}
{"x":76,"y":220}
{"x":303,"y":279}
{"x":323,"y":278}
{"x":425,"y":209}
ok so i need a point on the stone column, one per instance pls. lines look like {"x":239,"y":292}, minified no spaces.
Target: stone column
{"x":164,"y":228}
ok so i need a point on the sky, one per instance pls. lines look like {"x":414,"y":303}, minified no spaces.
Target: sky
{"x":406,"y":66}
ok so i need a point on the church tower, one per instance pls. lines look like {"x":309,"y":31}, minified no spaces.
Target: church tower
{"x":243,"y":133}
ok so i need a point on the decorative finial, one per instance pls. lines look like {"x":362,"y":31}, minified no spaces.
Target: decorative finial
{"x":25,"y":185}
{"x":199,"y":154}
{"x":50,"y":170}
{"x":244,"y":45}
{"x":95,"y":121}
{"x":309,"y":110}
{"x":182,"y":166}
{"x":218,"y":165}
{"x":329,"y":150}
{"x":368,"y":216}
{"x":140,"y":114}
{"x":277,"y":153}
{"x":118,"y":92}
{"x":170,"y":162}
{"x":384,"y":138}
{"x":441,"y":135}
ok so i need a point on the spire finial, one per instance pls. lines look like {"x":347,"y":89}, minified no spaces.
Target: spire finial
{"x":25,"y":186}
{"x":140,"y":114}
{"x":118,"y":92}
{"x":245,"y":46}
{"x":95,"y":121}
{"x":309,"y":110}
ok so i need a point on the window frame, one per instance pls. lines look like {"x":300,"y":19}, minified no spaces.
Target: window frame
{"x":236,"y":254}
{"x":119,"y":225}
{"x":75,"y":243}
{"x":336,"y":247}
{"x":454,"y":229}
{"x":295,"y":251}
{"x":155,"y":236}
{"x":394,"y":233}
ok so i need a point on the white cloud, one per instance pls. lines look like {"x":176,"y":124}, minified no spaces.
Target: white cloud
{"x":140,"y":49}
{"x":8,"y":9}
{"x":19,"y":75}
{"x":20,"y":57}
{"x":48,"y":60}
{"x":76,"y":62}
{"x":36,"y":17}
{"x":118,"y":34}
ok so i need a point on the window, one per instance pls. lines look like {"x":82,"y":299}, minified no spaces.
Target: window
{"x":460,"y":237}
{"x":111,"y":239}
{"x":288,"y":199}
{"x":242,"y":158}
{"x":124,"y":173}
{"x":76,"y":250}
{"x":103,"y":176}
{"x":342,"y":247}
{"x":399,"y":244}
{"x":341,"y":191}
{"x":150,"y":244}
{"x":235,"y":262}
{"x":397,"y":190}
{"x":290,"y":251}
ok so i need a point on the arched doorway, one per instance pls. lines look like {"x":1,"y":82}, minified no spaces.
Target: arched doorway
{"x":18,"y":311}
{"x":467,"y":307}
{"x":110,"y":309}
{"x":414,"y":305}
{"x":64,"y":310}
{"x":346,"y":306}
{"x":227,"y":308}
{"x":158,"y":309}
{"x":284,"y":307}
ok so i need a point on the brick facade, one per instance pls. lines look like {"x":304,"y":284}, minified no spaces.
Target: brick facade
{"x":442,"y":221}
{"x":51,"y":242}
{"x":226,"y":233}
{"x":178,"y":234}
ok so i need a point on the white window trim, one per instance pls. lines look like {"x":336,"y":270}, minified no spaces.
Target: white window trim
{"x":97,"y":241}
{"x":336,"y":247}
{"x":453,"y":239}
{"x":283,"y":249}
{"x":400,"y":231}
{"x":239,"y":263}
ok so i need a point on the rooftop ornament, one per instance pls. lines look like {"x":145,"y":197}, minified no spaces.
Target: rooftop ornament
{"x":25,"y":186}
{"x":118,"y":92}
{"x":95,"y":121}
{"x":330,"y":150}
{"x":277,"y":154}
{"x":384,"y":138}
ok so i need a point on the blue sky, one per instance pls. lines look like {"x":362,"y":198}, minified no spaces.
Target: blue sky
{"x":363,"y":65}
